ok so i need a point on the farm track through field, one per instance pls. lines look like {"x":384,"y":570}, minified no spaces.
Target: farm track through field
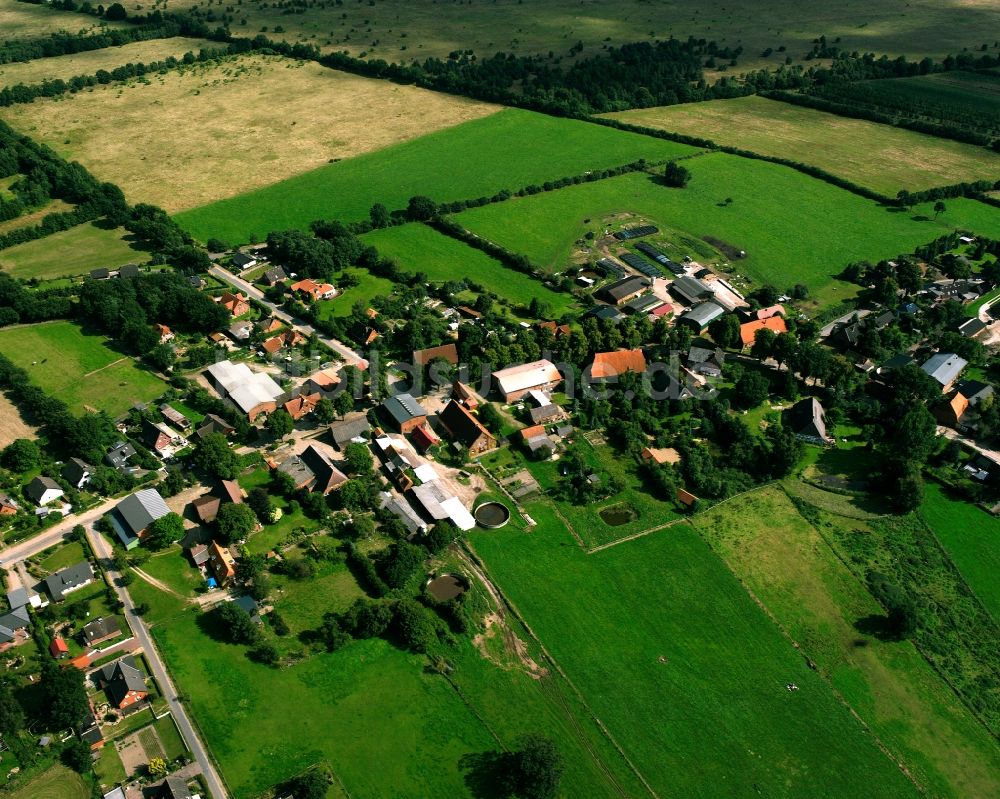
{"x":475,"y":565}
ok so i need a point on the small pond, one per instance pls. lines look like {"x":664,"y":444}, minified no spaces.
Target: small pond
{"x":617,"y":515}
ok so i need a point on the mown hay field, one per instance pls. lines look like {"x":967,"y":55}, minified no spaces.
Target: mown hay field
{"x":402,"y":30}
{"x":65,"y":67}
{"x":681,"y":666}
{"x":787,"y":565}
{"x":215,"y":130}
{"x":794,"y":229}
{"x":879,"y":157}
{"x":71,"y":252}
{"x":508,"y":150}
{"x":56,"y":783}
{"x":79,"y":368}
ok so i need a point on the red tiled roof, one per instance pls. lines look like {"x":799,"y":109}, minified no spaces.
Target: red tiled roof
{"x":748,"y":331}
{"x":448,"y":352}
{"x":612,"y":364}
{"x":533,"y":432}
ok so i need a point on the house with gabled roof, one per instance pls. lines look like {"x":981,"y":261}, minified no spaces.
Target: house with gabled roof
{"x":610,"y":365}
{"x":100,"y":630}
{"x":945,"y":367}
{"x":8,"y":507}
{"x":327,"y":477}
{"x":274,"y":275}
{"x":77,"y":472}
{"x":302,"y":405}
{"x":404,"y":411}
{"x":132,"y":516}
{"x":516,"y":381}
{"x":807,"y":419}
{"x":207,"y":506}
{"x":43,"y":490}
{"x":123,"y":683}
{"x":214,"y":424}
{"x":222,"y":563}
{"x":446,"y":352}
{"x":748,"y":331}
{"x":354,"y":428}
{"x":424,"y":437}
{"x":466,"y":429}
{"x":314,"y":290}
{"x":243,"y":261}
{"x":69,"y":579}
{"x":237,"y":304}
{"x":161,"y":439}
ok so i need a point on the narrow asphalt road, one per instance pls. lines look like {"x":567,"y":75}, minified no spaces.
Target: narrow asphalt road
{"x":102,"y":549}
{"x":348,"y":355}
{"x":53,"y":535}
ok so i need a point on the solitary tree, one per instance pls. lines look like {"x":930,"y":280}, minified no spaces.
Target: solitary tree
{"x":939,"y":208}
{"x":535,"y":769}
{"x":64,"y":695}
{"x":235,"y":624}
{"x":11,"y":714}
{"x":21,"y":455}
{"x":214,"y":456}
{"x":675,"y":175}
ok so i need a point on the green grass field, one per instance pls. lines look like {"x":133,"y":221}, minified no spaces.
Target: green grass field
{"x":684,"y":670}
{"x":795,"y":229}
{"x":419,"y":248}
{"x":71,"y":252}
{"x":507,"y":150}
{"x":972,"y":539}
{"x":417,"y":727}
{"x":79,"y":368}
{"x":56,"y":783}
{"x":62,"y":556}
{"x":24,"y":21}
{"x":789,"y":567}
{"x":879,"y":157}
{"x":369,"y":286}
{"x":173,"y":568}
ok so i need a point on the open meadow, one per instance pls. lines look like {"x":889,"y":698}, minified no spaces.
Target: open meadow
{"x":69,"y":66}
{"x":794,"y":229}
{"x":508,"y":150}
{"x":401,"y":30}
{"x":685,"y":671}
{"x":972,"y":539}
{"x":56,"y":783}
{"x":72,"y":252}
{"x":79,"y":368}
{"x":879,"y":157}
{"x":210,"y":130}
{"x":26,"y":21}
{"x":419,"y":729}
{"x":787,"y":564}
{"x":419,"y":248}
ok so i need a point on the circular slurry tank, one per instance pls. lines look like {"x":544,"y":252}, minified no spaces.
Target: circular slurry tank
{"x":492,"y":515}
{"x":447,"y":586}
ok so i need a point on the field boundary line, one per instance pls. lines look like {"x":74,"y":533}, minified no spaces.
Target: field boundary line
{"x":634,"y":536}
{"x":812,"y":665}
{"x":555,"y":664}
{"x":106,"y":366}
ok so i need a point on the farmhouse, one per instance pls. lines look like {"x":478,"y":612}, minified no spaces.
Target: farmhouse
{"x":546,"y":413}
{"x":274,"y":275}
{"x":302,"y":405}
{"x":447,"y":352}
{"x":621,"y":291}
{"x":100,"y":630}
{"x":404,"y":411}
{"x":236,"y":304}
{"x":43,"y":490}
{"x":253,"y":393}
{"x":314,"y":290}
{"x":807,"y":420}
{"x":516,"y":381}
{"x":466,"y":428}
{"x":313,"y":470}
{"x":161,"y":439}
{"x":951,"y":410}
{"x":352,"y":429}
{"x":122,"y":681}
{"x":207,"y":506}
{"x":132,"y":516}
{"x":748,"y":331}
{"x":944,"y":367}
{"x":701,"y":316}
{"x":222,"y":564}
{"x":609,"y":365}
{"x":240,"y":331}
{"x":243,"y":261}
{"x":77,"y":472}
{"x":68,"y":580}
{"x":8,"y":507}
{"x":324,"y":382}
{"x":214,"y":424}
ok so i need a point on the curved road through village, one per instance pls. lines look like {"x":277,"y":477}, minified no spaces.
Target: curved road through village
{"x":348,"y":355}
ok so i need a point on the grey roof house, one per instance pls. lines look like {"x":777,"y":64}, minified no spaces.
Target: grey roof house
{"x":43,"y":490}
{"x":69,"y":579}
{"x":118,"y":456}
{"x":405,"y":411}
{"x":807,"y":420}
{"x":944,"y":367}
{"x":77,"y":472}
{"x":135,"y":513}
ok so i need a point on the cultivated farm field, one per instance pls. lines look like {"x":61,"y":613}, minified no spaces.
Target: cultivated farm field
{"x":12,"y":424}
{"x":419,"y":248}
{"x":26,"y":21}
{"x":794,"y":229}
{"x":72,"y":252}
{"x":787,"y":564}
{"x":508,"y":150}
{"x":79,"y":368}
{"x":210,"y":129}
{"x":88,"y":63}
{"x":972,"y":539}
{"x":879,"y":157}
{"x":685,"y":671}
{"x":401,"y":30}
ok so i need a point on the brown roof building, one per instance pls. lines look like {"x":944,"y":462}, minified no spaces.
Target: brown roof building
{"x":236,"y":304}
{"x":447,"y":352}
{"x":466,"y":428}
{"x":302,"y":405}
{"x":612,"y":364}
{"x":748,"y":331}
{"x":222,"y":564}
